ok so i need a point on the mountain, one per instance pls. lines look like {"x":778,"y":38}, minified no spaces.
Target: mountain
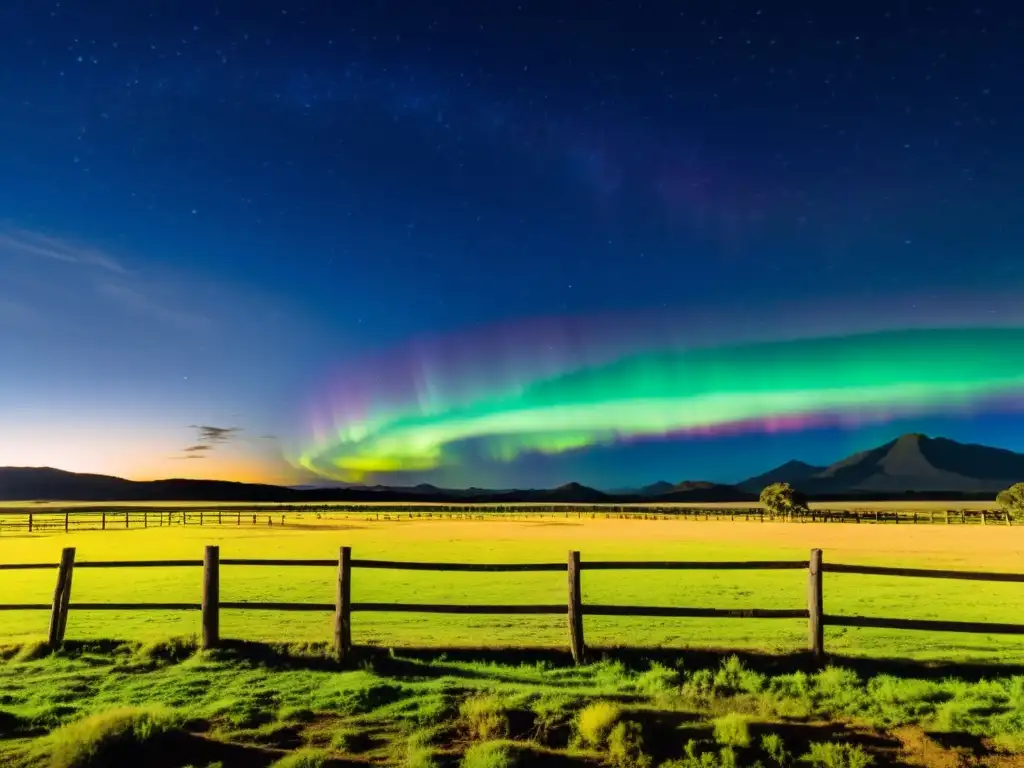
{"x":793,"y":472}
{"x":912,"y":464}
{"x":702,"y":491}
{"x":656,"y":489}
{"x":919,"y":463}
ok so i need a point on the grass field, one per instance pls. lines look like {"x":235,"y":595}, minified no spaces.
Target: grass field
{"x":165,"y":705}
{"x":544,"y":540}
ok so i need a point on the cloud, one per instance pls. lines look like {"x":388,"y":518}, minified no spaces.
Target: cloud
{"x":209,"y":435}
{"x":207,"y":439}
{"x":32,"y":244}
{"x":140,"y":303}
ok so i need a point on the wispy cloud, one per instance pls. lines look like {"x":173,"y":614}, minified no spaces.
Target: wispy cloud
{"x":207,"y":439}
{"x":32,"y":244}
{"x":136,"y":301}
{"x":209,"y":435}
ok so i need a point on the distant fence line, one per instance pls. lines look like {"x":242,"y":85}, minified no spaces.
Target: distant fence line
{"x":69,"y":520}
{"x":574,"y":608}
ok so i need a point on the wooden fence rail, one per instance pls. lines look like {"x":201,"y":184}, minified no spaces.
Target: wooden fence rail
{"x":32,"y":520}
{"x":574,"y":608}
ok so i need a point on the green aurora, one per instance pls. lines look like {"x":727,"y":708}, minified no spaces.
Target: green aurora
{"x":860,"y":378}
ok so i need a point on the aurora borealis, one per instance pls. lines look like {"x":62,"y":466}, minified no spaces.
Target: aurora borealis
{"x":504,"y":245}
{"x":662,"y":393}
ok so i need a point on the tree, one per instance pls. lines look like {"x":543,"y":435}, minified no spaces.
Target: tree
{"x":784,"y":499}
{"x":1012,"y":500}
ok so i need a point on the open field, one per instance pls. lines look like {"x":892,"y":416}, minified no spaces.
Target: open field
{"x":996,"y":548}
{"x":165,"y":705}
{"x":53,"y":506}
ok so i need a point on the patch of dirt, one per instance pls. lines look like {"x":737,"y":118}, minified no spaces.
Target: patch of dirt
{"x":918,"y":748}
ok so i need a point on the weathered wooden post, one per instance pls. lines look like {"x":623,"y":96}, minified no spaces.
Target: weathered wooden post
{"x":576,"y":645}
{"x":66,"y":521}
{"x":343,"y":605}
{"x":145,"y":519}
{"x":200,"y":517}
{"x":211,"y":597}
{"x":67,"y":560}
{"x":815,"y":607}
{"x":30,"y":522}
{"x":103,"y":521}
{"x":65,"y":599}
{"x":219,"y":517}
{"x":126,"y":518}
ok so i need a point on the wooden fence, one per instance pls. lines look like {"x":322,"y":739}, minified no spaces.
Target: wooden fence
{"x":120,"y":518}
{"x":574,"y":608}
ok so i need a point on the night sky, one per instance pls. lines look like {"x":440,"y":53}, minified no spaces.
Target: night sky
{"x":505,"y":243}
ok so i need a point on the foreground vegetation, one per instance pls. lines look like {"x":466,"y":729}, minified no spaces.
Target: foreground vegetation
{"x":969,"y":548}
{"x":166,"y":704}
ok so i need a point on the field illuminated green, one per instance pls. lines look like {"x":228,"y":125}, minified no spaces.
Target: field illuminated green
{"x":542,"y":540}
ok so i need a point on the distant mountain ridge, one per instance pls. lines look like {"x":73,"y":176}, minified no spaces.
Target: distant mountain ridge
{"x":912,"y":464}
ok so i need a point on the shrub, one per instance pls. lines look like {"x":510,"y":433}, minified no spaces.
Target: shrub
{"x":731,"y":730}
{"x":783,"y":499}
{"x":418,"y":751}
{"x":772,"y":745}
{"x":626,"y":747}
{"x":1012,"y":500}
{"x":829,"y":754}
{"x":113,"y":737}
{"x":657,"y":680}
{"x":595,"y":722}
{"x":732,"y":677}
{"x":303,"y":758}
{"x":488,"y":754}
{"x":693,"y":758}
{"x":484,"y":717}
{"x":349,"y":740}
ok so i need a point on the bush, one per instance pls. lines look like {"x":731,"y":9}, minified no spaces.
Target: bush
{"x":113,"y":737}
{"x":783,"y":499}
{"x":626,"y":747}
{"x":303,"y":758}
{"x":1012,"y":500}
{"x":595,"y":722}
{"x":772,"y":745}
{"x":832,"y":755}
{"x":418,"y":751}
{"x":484,"y":717}
{"x":657,"y":680}
{"x":489,"y":754}
{"x":731,"y":730}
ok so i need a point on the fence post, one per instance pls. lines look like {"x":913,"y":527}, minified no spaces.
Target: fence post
{"x":67,"y":559}
{"x":343,"y":605}
{"x":211,"y":597}
{"x":65,"y":522}
{"x":65,"y":599}
{"x":575,"y":608}
{"x":815,"y":603}
{"x":126,"y":518}
{"x":103,"y":521}
{"x":30,"y":522}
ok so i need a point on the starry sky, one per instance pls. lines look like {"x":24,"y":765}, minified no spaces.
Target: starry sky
{"x":505,"y":244}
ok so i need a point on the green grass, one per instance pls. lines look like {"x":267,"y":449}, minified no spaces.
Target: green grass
{"x":110,"y":704}
{"x":546,"y":540}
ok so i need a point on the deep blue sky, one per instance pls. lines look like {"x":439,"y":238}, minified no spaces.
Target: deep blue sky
{"x":208,"y":207}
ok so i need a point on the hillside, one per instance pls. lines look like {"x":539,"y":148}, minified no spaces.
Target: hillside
{"x":925,"y":467}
